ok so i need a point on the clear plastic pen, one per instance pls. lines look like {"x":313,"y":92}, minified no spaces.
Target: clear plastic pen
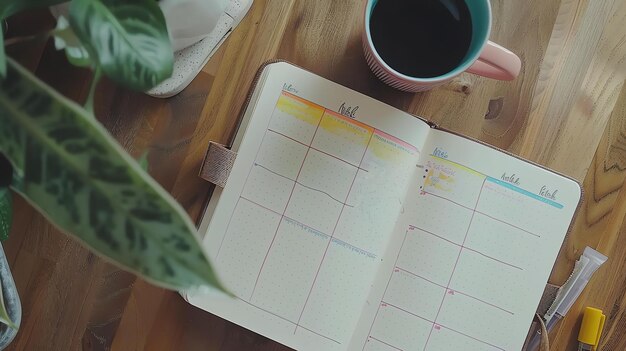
{"x":588,"y":263}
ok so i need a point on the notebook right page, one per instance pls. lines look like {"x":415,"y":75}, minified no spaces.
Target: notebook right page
{"x":471,"y":253}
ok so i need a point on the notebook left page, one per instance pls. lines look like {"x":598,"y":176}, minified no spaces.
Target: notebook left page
{"x":299,"y":230}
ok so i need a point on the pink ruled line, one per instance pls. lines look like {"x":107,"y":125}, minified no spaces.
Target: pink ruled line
{"x":468,"y":248}
{"x":265,"y":207}
{"x":482,"y":213}
{"x":301,"y":184}
{"x":219,"y":249}
{"x":455,"y":264}
{"x":512,"y":225}
{"x":455,"y":291}
{"x":355,"y":122}
{"x":440,"y":325}
{"x":318,"y":150}
{"x":493,"y":258}
{"x":331,"y":235}
{"x":406,"y":311}
{"x":308,"y":226}
{"x":369,"y":333}
{"x":471,"y":337}
{"x":385,"y":343}
{"x":287,"y":320}
{"x":246,"y":181}
{"x":284,"y":210}
{"x":396,"y":140}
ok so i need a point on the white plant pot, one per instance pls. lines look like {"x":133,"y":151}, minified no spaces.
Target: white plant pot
{"x":196,"y":28}
{"x":188,"y":21}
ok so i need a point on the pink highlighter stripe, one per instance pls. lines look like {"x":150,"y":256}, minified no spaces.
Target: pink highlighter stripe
{"x":350,"y":120}
{"x":395,"y":140}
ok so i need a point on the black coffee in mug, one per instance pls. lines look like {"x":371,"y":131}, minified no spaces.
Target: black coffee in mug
{"x":421,"y":38}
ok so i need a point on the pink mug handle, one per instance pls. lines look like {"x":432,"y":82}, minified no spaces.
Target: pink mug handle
{"x":496,"y":62}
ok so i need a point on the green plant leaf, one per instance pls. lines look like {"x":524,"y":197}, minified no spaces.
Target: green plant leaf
{"x":127,"y":39}
{"x":6,"y":213}
{"x":11,"y":7}
{"x":4,"y":315}
{"x":75,"y":173}
{"x":3,"y":56}
{"x":143,"y":161}
{"x":6,"y":200}
{"x":66,"y":39}
{"x":92,"y":91}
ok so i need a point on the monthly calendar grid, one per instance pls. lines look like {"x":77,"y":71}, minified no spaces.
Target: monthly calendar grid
{"x":308,"y":226}
{"x":445,"y":293}
{"x":219,"y":249}
{"x":482,"y":213}
{"x":320,"y":151}
{"x":313,"y":217}
{"x":295,"y":182}
{"x":369,"y":333}
{"x":283,"y":215}
{"x":462,"y":247}
{"x":434,"y":323}
{"x":333,"y":232}
{"x":456,"y":292}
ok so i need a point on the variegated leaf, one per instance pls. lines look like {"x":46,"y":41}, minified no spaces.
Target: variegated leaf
{"x":65,"y":39}
{"x":128,"y":39}
{"x":4,"y":315}
{"x":71,"y":169}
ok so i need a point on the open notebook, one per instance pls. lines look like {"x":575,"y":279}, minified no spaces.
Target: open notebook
{"x":347,"y":224}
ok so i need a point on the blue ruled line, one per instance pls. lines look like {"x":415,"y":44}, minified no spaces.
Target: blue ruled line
{"x":525,"y":192}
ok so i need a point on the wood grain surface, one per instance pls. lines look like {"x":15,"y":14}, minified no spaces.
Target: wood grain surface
{"x":567,"y":111}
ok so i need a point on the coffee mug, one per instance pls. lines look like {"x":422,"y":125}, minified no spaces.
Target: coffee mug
{"x":483,"y":57}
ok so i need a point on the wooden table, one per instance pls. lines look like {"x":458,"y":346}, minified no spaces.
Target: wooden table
{"x":567,"y":111}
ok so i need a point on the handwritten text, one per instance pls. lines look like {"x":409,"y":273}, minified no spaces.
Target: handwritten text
{"x":440,"y":153}
{"x":513,"y":178}
{"x":547,"y":193}
{"x":348,"y":111}
{"x":290,"y":88}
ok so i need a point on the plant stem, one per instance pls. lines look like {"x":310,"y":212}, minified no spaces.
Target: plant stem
{"x":22,"y":39}
{"x":92,"y":90}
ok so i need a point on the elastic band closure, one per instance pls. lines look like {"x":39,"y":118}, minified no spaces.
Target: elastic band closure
{"x":217,"y":164}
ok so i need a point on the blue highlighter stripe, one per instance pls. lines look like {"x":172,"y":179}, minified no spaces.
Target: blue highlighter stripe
{"x":525,"y":192}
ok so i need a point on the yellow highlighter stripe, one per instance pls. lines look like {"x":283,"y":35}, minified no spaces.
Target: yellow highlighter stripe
{"x":457,"y":165}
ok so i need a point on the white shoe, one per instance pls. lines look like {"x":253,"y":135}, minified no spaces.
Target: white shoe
{"x":189,"y":61}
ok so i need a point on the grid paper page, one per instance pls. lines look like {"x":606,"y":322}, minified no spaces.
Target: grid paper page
{"x":476,"y":245}
{"x":299,"y":233}
{"x":309,"y":226}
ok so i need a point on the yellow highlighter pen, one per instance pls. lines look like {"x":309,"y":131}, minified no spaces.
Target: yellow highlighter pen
{"x":590,"y":329}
